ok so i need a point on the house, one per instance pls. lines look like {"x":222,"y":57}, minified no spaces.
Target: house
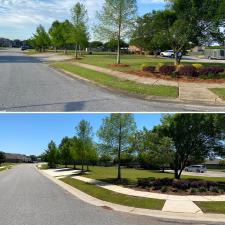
{"x":213,"y":164}
{"x":135,"y":50}
{"x":17,"y":158}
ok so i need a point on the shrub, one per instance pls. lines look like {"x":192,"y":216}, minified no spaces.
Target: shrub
{"x":159,"y":66}
{"x":167,"y":70}
{"x":199,"y":183}
{"x":164,"y":189}
{"x":145,"y":182}
{"x":188,"y":71}
{"x":202,"y":189}
{"x":210,"y":70}
{"x":211,"y":184}
{"x":197,"y":66}
{"x":214,"y":189}
{"x":178,"y":67}
{"x":194,"y":190}
{"x":147,"y":68}
{"x":181,"y":184}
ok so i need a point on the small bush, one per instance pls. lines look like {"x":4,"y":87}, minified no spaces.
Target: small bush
{"x":197,"y":66}
{"x":214,"y":189}
{"x":202,"y":189}
{"x":167,"y":70}
{"x":198,"y":184}
{"x":211,"y":70}
{"x":178,"y":67}
{"x":159,"y":66}
{"x":145,"y":182}
{"x":147,"y":68}
{"x":181,"y":184}
{"x":189,"y":71}
{"x":194,"y":190}
{"x":164,"y":189}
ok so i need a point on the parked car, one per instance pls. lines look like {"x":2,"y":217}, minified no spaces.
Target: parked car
{"x":196,"y":169}
{"x":168,"y":53}
{"x":24,"y":48}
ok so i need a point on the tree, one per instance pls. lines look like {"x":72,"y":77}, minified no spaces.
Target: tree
{"x":195,"y":137}
{"x":79,"y":18}
{"x":152,"y":29}
{"x":52,"y":155}
{"x":84,"y":141}
{"x":154,"y":151}
{"x":33,"y":158}
{"x":198,"y":22}
{"x":116,"y":21}
{"x":113,"y":43}
{"x":116,"y":133}
{"x":56,"y":35}
{"x":40,"y":40}
{"x":2,"y":158}
{"x":65,"y":149}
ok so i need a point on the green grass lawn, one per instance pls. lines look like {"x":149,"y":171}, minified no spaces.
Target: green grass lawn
{"x":119,"y":84}
{"x":219,"y":91}
{"x":114,"y":197}
{"x":130,"y":176}
{"x":212,"y":207}
{"x":134,"y":61}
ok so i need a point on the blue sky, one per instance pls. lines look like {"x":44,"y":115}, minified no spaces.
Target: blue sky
{"x":19,"y":18}
{"x":30,"y":133}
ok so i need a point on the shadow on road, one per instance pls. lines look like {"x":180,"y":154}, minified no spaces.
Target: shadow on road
{"x":68,"y":106}
{"x":18,"y":59}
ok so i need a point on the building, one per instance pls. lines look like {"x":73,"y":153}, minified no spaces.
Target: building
{"x":17,"y":158}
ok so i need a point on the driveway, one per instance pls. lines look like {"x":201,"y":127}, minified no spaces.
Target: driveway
{"x":206,"y":174}
{"x":27,"y":197}
{"x":27,"y":85}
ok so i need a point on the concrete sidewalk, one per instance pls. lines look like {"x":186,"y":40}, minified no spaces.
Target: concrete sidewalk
{"x":196,"y":92}
{"x":215,"y":218}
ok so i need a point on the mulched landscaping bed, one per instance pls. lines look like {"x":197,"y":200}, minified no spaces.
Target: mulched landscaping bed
{"x":179,"y":78}
{"x":180,"y":187}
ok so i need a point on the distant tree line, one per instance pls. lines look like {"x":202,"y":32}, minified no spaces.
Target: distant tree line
{"x":180,"y":140}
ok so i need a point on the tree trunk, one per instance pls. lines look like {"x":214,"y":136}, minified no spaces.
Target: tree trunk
{"x":66,"y":165}
{"x":76,"y":51}
{"x":118,"y":52}
{"x":55,"y":49}
{"x":119,"y":155}
{"x":74,"y":165}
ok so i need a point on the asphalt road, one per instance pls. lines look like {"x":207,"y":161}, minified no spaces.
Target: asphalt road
{"x":29,"y":198}
{"x":27,"y":85}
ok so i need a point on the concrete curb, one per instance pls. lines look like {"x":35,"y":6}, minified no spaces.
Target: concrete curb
{"x":136,"y":211}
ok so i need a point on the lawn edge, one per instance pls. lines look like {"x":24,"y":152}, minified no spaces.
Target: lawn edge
{"x":117,"y":91}
{"x":131,"y":210}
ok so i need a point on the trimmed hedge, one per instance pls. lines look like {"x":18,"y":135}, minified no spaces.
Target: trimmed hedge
{"x":189,"y":71}
{"x":167,"y":70}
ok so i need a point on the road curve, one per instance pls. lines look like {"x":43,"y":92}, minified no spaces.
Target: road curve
{"x":29,"y":198}
{"x":27,"y":85}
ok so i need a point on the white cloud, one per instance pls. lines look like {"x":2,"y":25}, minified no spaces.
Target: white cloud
{"x":27,"y":14}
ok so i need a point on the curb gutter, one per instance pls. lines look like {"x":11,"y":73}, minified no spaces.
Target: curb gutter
{"x":136,"y":211}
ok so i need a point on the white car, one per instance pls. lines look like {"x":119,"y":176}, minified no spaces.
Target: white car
{"x":168,"y":53}
{"x":196,"y":169}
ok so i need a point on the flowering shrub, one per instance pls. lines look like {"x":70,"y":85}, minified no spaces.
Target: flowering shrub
{"x":197,"y":66}
{"x":210,"y":70}
{"x":189,"y":71}
{"x":147,"y":68}
{"x":167,"y":70}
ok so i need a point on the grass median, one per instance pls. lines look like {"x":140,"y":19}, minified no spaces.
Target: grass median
{"x":219,"y":91}
{"x":119,"y":84}
{"x":114,"y":197}
{"x":212,"y":207}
